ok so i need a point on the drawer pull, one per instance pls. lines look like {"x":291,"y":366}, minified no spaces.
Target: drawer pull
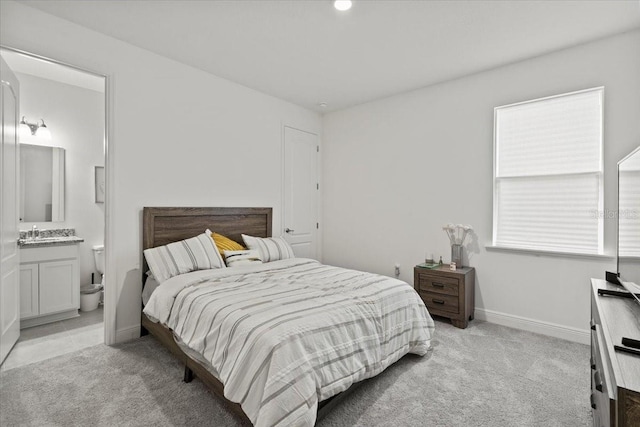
{"x":593,"y":325}
{"x":593,"y":402}
{"x":438,"y":285}
{"x":438,"y":301}
{"x":598,"y":381}
{"x":593,"y":363}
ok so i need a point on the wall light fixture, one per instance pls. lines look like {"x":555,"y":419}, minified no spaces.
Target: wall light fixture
{"x":342,"y":5}
{"x":39,"y":130}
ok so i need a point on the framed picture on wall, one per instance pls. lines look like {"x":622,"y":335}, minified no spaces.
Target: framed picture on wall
{"x":99,"y":181}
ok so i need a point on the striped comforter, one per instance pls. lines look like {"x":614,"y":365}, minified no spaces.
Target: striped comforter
{"x":285,"y":335}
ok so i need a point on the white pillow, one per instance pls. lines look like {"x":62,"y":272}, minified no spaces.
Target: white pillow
{"x":269,"y":248}
{"x":236,"y":258}
{"x":197,"y":253}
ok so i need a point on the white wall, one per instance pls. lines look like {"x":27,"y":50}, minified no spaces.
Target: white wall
{"x":397,"y":169}
{"x":75,"y":118}
{"x":179,"y":136}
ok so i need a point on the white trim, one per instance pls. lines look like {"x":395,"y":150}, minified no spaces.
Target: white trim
{"x":554,"y":254}
{"x":127,"y":334}
{"x":494,"y":217}
{"x":54,"y":61}
{"x":56,"y":317}
{"x":110,"y":291}
{"x":582,"y":336}
{"x":283,"y":162}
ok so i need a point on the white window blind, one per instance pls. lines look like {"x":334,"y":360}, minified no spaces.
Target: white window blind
{"x":548,"y":174}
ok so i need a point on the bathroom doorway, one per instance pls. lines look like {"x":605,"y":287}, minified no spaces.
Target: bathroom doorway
{"x":62,"y":208}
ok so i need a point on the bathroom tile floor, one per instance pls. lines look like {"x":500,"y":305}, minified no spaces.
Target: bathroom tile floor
{"x":54,"y":339}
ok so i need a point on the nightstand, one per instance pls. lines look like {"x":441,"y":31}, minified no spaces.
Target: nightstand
{"x":447,"y":293}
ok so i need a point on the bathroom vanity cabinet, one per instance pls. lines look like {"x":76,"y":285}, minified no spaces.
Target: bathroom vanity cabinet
{"x":49,"y":284}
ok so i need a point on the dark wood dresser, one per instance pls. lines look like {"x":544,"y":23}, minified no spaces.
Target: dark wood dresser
{"x":447,"y":293}
{"x":615,"y":376}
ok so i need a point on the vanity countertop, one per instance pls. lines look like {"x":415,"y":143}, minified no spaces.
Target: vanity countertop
{"x":54,"y":237}
{"x":49,"y":241}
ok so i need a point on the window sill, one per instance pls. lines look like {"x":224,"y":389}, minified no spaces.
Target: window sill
{"x":539,"y":252}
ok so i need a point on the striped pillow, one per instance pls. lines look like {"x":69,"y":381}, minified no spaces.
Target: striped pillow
{"x":269,"y":248}
{"x":225,"y":244}
{"x":236,"y":258}
{"x":197,"y":253}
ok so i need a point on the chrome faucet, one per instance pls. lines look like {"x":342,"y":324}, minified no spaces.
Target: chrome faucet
{"x":35,"y":233}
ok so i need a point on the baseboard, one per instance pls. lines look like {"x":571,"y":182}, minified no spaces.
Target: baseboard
{"x":568,"y":333}
{"x":127,"y":334}
{"x":49,"y":318}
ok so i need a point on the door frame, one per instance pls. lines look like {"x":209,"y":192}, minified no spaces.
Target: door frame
{"x":318,"y":237}
{"x":10,"y":336}
{"x":110,"y":292}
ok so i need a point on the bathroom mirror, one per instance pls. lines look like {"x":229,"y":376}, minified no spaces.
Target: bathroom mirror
{"x":629,"y":217}
{"x":41,"y":183}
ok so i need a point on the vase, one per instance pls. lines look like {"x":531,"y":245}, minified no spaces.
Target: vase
{"x":456,"y":255}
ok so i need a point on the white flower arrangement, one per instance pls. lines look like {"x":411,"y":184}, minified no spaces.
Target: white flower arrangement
{"x":457,"y":233}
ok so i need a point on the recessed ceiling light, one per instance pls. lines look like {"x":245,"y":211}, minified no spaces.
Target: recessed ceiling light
{"x":342,"y":5}
{"x":322,"y":104}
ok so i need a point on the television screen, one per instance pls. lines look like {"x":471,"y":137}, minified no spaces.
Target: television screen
{"x":629,"y":218}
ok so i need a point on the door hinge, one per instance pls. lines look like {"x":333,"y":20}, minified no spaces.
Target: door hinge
{"x":317,"y":225}
{"x":317,"y":185}
{"x":317,"y":148}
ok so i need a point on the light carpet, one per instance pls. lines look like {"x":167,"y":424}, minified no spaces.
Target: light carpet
{"x":485,"y":375}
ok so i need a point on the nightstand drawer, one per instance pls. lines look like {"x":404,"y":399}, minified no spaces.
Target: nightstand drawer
{"x":439,"y":284}
{"x":441,"y":302}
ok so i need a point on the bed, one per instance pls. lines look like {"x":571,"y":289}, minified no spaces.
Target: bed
{"x":288,"y":338}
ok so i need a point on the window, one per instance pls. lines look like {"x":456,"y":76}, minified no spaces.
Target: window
{"x":548,"y":174}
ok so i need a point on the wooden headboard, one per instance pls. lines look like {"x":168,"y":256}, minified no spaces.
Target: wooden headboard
{"x":161,"y":226}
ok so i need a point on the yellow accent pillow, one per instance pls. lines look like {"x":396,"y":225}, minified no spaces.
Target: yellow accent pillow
{"x":225,"y":244}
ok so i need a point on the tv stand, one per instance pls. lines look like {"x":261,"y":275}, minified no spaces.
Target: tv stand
{"x":615,"y":375}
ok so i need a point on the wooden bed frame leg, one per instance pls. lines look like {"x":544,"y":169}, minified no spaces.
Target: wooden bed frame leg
{"x":188,"y":374}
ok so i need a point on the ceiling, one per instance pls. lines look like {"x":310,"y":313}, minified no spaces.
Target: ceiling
{"x":308,"y":53}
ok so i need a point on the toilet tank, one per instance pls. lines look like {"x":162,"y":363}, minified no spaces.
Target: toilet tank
{"x":98,"y":255}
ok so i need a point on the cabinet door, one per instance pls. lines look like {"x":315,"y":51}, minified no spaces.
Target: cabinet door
{"x":28,"y":290}
{"x":59,"y":286}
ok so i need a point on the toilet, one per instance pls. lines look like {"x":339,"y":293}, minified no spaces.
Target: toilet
{"x":98,"y":256}
{"x":92,"y":294}
{"x":89,"y":297}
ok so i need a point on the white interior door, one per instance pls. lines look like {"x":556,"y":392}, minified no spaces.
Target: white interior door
{"x":300,"y":191}
{"x":9,"y":255}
